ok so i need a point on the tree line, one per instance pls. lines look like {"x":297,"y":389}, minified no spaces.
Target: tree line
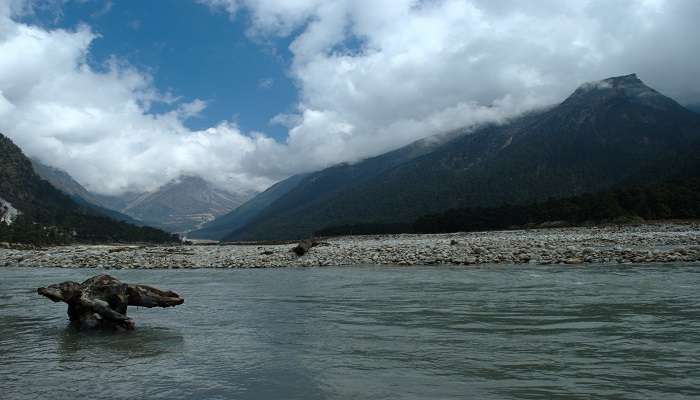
{"x":77,"y":228}
{"x":679,"y":199}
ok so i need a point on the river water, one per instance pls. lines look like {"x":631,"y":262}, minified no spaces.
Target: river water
{"x":497,"y":332}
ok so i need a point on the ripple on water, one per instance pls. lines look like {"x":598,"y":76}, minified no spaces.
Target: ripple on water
{"x":381,"y":333}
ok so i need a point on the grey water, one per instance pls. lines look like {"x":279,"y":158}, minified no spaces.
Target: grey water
{"x":496,"y":332}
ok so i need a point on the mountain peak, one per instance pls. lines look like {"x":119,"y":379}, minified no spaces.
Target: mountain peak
{"x":185,"y":203}
{"x":629,"y":82}
{"x":187,"y":180}
{"x":624,"y":81}
{"x":625,"y":87}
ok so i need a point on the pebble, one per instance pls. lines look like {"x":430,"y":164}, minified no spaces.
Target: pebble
{"x":649,"y":243}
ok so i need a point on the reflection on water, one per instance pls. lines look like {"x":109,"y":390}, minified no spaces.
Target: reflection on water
{"x":516,"y":332}
{"x":144,"y":343}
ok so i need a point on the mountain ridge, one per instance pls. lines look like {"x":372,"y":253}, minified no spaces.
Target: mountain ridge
{"x":256,"y":206}
{"x":183,"y":204}
{"x":64,"y":182}
{"x":241,"y":215}
{"x":602,"y":134}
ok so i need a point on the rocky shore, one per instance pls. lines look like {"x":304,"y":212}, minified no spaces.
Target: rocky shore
{"x":649,"y":243}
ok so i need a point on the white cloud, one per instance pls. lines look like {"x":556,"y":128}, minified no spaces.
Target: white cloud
{"x":191,"y":109}
{"x":372,"y":76}
{"x":377,"y":75}
{"x":98,"y":125}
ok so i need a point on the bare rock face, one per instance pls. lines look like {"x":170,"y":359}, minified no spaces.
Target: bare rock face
{"x":8,"y":214}
{"x":101,"y":301}
{"x":184,"y":204}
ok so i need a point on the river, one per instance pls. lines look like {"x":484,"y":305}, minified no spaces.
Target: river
{"x":493,"y":332}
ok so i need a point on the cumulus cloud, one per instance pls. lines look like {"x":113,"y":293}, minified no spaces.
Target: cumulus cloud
{"x":375,"y":76}
{"x":97,"y":124}
{"x":372,"y":77}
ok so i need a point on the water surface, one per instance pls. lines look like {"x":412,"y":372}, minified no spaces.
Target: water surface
{"x":506,"y":332}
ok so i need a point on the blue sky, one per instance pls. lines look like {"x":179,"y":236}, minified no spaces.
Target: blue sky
{"x":191,"y":51}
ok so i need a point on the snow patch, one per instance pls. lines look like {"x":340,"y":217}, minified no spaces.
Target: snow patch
{"x":8,"y":214}
{"x":596,"y":85}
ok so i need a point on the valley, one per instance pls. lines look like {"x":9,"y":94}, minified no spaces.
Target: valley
{"x":615,"y":150}
{"x":402,"y":199}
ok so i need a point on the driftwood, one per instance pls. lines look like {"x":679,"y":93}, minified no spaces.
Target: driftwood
{"x":304,"y":246}
{"x":101,"y":301}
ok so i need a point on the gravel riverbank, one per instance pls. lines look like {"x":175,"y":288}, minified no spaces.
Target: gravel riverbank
{"x":667,"y":242}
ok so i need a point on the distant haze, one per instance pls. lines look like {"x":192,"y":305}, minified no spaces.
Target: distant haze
{"x":371,"y":77}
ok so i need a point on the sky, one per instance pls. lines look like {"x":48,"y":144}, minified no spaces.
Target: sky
{"x":127,"y":95}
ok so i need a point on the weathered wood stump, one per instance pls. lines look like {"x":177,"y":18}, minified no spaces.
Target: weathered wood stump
{"x":304,"y":246}
{"x":101,"y":301}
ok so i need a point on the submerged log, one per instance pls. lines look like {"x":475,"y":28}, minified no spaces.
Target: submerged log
{"x":101,"y":301}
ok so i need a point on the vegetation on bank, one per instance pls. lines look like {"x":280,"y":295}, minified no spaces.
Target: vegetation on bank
{"x":670,"y":200}
{"x":77,"y":228}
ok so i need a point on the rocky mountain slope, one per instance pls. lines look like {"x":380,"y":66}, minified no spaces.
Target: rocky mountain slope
{"x":605,"y":134}
{"x":179,"y":206}
{"x":8,"y":213}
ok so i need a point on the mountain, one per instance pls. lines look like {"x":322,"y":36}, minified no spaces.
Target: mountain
{"x":607,"y":133}
{"x":220,"y":227}
{"x":694,"y":107}
{"x":62,"y":181}
{"x":181,"y":205}
{"x":322,"y":185}
{"x":119,"y":202}
{"x":39,"y":213}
